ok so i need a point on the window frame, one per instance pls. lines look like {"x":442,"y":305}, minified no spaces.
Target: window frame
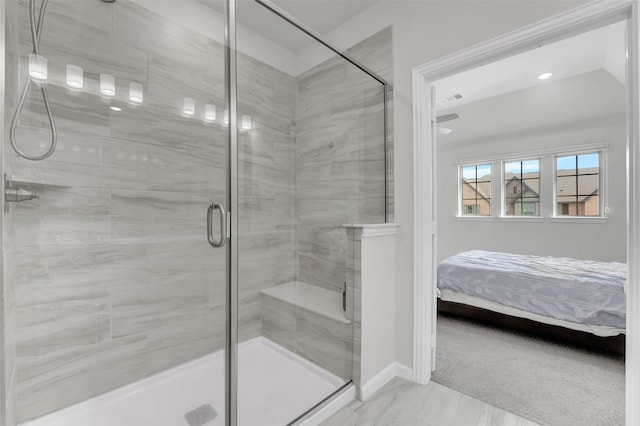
{"x":503,"y":192}
{"x":602,"y":189}
{"x":461,"y":214}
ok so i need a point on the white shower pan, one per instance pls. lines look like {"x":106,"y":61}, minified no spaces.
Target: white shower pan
{"x":275,"y":386}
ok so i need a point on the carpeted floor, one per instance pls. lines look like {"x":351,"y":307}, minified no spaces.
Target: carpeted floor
{"x":545,"y":382}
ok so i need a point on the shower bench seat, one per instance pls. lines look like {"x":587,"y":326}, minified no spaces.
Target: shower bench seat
{"x":321,"y":301}
{"x":309,"y":320}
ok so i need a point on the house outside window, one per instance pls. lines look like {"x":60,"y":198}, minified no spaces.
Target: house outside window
{"x":475,"y":190}
{"x":578,"y":185}
{"x":521,"y":188}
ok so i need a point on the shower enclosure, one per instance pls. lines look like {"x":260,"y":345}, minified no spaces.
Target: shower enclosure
{"x":176,"y":178}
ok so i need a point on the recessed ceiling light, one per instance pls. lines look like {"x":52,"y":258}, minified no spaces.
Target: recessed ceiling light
{"x":116,"y":108}
{"x":544,"y":76}
{"x":444,"y":130}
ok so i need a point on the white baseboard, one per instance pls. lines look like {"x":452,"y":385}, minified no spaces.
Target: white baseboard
{"x":395,"y":369}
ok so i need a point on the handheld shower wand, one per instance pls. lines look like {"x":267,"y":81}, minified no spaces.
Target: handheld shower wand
{"x":36,"y":30}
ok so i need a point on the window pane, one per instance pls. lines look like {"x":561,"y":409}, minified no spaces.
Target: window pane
{"x":484,"y":189}
{"x":588,"y":184}
{"x":566,"y":163}
{"x":567,"y":206}
{"x":512,"y":168}
{"x":578,"y":185}
{"x":588,"y":161}
{"x":592,"y":206}
{"x":476,"y":190}
{"x":469,"y":189}
{"x":531,"y":166}
{"x":531,"y":188}
{"x":565,"y":185}
{"x":469,"y":173}
{"x":530,"y":209}
{"x":521,"y":183}
{"x":484,"y":173}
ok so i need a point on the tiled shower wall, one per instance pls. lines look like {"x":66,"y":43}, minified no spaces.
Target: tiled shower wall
{"x":114,"y":277}
{"x":340,"y":156}
{"x":108,"y":275}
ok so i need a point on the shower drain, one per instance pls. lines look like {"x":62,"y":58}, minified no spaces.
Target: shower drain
{"x":201,"y":415}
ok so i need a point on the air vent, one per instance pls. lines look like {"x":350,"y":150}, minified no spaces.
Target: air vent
{"x":448,"y":99}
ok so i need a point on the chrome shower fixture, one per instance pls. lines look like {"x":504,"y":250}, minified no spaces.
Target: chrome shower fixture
{"x":16,"y":194}
{"x":108,"y":1}
{"x":37,"y":71}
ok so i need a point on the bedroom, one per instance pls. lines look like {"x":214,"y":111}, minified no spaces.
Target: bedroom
{"x":536,"y":167}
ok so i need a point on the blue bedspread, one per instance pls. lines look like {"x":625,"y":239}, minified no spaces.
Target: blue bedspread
{"x":580,"y":291}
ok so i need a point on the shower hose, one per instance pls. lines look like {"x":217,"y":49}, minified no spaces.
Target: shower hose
{"x":36,"y":29}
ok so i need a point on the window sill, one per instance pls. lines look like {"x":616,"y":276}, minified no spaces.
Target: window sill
{"x":532,"y":219}
{"x":578,"y":219}
{"x":475,"y":218}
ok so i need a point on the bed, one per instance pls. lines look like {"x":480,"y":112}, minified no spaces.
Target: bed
{"x":561,"y":293}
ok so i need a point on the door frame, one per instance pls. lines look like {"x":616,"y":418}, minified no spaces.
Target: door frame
{"x":562,"y":26}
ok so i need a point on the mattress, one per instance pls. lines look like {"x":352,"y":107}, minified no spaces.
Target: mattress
{"x":576,"y":291}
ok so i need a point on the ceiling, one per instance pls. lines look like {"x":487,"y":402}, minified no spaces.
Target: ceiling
{"x":603,"y":48}
{"x":591,"y":99}
{"x":506,"y":97}
{"x":321,"y":16}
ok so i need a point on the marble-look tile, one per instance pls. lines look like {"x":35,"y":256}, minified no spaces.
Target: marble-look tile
{"x":138,"y":27}
{"x":157,"y":214}
{"x":82,"y":17}
{"x":145,"y":308}
{"x":183,"y":341}
{"x":175,"y":170}
{"x":64,"y":215}
{"x":266,"y":94}
{"x":77,"y":32}
{"x":279,"y":322}
{"x":249,"y":317}
{"x":325,"y":342}
{"x":62,"y":318}
{"x":78,"y":376}
{"x":376,"y":51}
{"x":79,"y":155}
{"x":262,"y":269}
{"x":258,"y":214}
{"x":170,"y":80}
{"x":165,"y":125}
{"x":76,"y":112}
{"x":404,"y":403}
{"x":265,"y":181}
{"x":120,"y":154}
{"x":340,"y":157}
{"x":324,"y":272}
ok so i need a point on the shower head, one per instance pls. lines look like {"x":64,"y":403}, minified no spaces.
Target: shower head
{"x":108,"y":1}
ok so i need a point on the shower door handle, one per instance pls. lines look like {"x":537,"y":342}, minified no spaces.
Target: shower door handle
{"x":223,"y":224}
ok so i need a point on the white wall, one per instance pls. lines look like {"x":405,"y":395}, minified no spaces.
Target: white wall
{"x":377,"y":298}
{"x":554,"y":117}
{"x":422,"y":32}
{"x":603,"y":241}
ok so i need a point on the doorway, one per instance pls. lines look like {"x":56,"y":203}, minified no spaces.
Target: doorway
{"x":558,"y":28}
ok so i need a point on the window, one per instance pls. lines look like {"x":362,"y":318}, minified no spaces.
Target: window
{"x":522,"y":188}
{"x":472,"y":209}
{"x":475,"y":190}
{"x":578,"y":189}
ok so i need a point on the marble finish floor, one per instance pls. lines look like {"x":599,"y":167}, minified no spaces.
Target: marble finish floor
{"x":404,"y":403}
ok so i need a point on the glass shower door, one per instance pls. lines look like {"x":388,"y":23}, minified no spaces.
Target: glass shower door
{"x":113,"y":289}
{"x":310,"y":159}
